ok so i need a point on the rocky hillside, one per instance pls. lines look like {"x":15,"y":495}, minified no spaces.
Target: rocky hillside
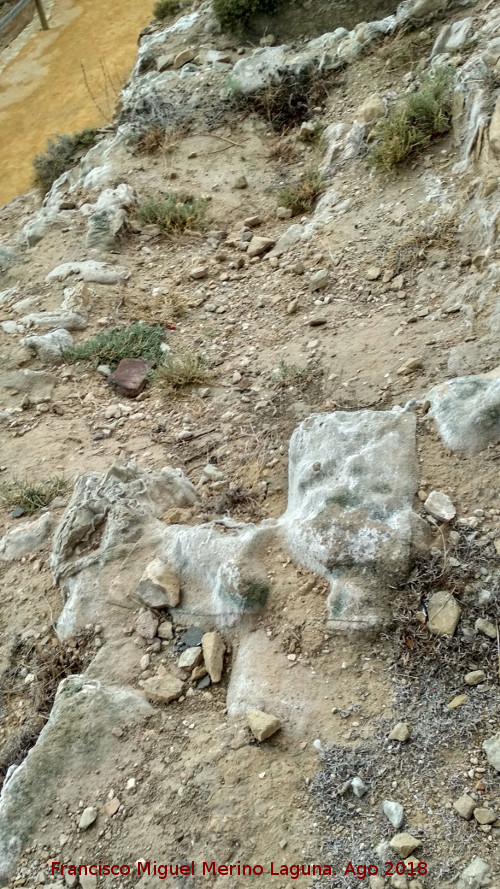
{"x":250,"y":420}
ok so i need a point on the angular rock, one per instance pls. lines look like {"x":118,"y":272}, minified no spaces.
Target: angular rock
{"x":352,"y":479}
{"x":465,"y":806}
{"x":111,"y":807}
{"x":319,"y":280}
{"x":146,"y":625}
{"x":394,"y":812}
{"x":190,"y":658}
{"x":259,"y":245}
{"x":443,"y":614}
{"x":475,"y":677}
{"x":475,"y":875}
{"x":440,"y":506}
{"x":262,"y":725}
{"x":457,"y":701}
{"x":467,"y":412}
{"x":159,"y":586}
{"x":400,"y":732}
{"x":27,"y":538}
{"x":49,"y":347}
{"x":87,"y":817}
{"x":89,"y":270}
{"x":451,"y":37}
{"x":165,"y":630}
{"x":486,"y":627}
{"x":213,"y":647}
{"x":492,"y":749}
{"x":163,"y":688}
{"x":373,"y":273}
{"x":130,"y":376}
{"x":371,"y":109}
{"x":358,"y":787}
{"x":404,"y":844}
{"x":483,"y":815}
{"x":183,"y":57}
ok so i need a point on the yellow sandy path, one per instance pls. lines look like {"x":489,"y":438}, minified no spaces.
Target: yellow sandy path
{"x":43,"y":91}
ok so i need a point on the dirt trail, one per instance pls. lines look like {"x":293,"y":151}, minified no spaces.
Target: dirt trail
{"x":43,"y":90}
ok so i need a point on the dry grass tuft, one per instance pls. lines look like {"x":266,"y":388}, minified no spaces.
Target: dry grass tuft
{"x":30,"y":495}
{"x":179,"y":371}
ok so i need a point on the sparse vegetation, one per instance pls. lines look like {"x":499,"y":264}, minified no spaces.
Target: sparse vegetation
{"x":163,"y":9}
{"x":235,"y":15}
{"x":287,"y":101}
{"x":302,"y":197}
{"x":60,"y":155}
{"x":418,"y":120}
{"x":110,"y":346}
{"x":173,"y":215}
{"x":29,"y":495}
{"x":150,"y":141}
{"x":179,"y":371}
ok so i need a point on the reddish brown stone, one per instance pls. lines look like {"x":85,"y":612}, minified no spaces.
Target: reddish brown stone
{"x":130,"y":376}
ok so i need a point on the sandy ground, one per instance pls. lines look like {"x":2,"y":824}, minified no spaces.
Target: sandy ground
{"x":60,"y":76}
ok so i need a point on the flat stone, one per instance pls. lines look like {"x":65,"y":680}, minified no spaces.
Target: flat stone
{"x":190,"y":639}
{"x":163,"y":688}
{"x":465,"y":806}
{"x":198,"y":272}
{"x":400,"y":732}
{"x":87,"y":817}
{"x":394,"y":812}
{"x":252,"y":221}
{"x":410,"y":366}
{"x":404,"y":844}
{"x":146,"y":625}
{"x":262,"y":725}
{"x":317,"y":321}
{"x":475,"y":677}
{"x":111,"y":807}
{"x":213,"y":647}
{"x":183,"y":57}
{"x":492,"y":749}
{"x":88,"y":881}
{"x":484,"y":815}
{"x":487,"y":627}
{"x":190,"y":658}
{"x":319,"y":280}
{"x":457,"y":701}
{"x":159,"y":586}
{"x":373,"y":273}
{"x":259,"y":245}
{"x":440,"y":506}
{"x":130,"y":376}
{"x":443,"y":614}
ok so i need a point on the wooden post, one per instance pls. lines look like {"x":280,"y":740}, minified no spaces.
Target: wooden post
{"x":41,"y":12}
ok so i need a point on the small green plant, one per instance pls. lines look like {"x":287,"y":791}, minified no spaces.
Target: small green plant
{"x":60,"y":155}
{"x":302,"y":197}
{"x":178,"y":371}
{"x":417,"y":121}
{"x":163,"y":9}
{"x":291,"y":375}
{"x":110,"y":346}
{"x":235,"y":15}
{"x":173,"y":215}
{"x":31,"y":496}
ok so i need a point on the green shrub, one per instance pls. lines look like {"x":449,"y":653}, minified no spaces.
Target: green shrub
{"x":165,"y":8}
{"x":178,"y":371}
{"x":417,"y":121}
{"x":31,"y":496}
{"x":302,"y":197}
{"x":235,"y":15}
{"x":173,"y":215}
{"x":109,"y":347}
{"x":60,"y":156}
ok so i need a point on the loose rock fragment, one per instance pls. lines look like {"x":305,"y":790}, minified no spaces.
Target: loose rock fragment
{"x":259,"y":245}
{"x":475,"y":875}
{"x":394,"y":812}
{"x":483,"y":815}
{"x":87,"y":817}
{"x":404,"y":844}
{"x":159,"y":587}
{"x":475,"y":677}
{"x":492,"y":749}
{"x":465,"y":806}
{"x":163,"y":688}
{"x":486,"y":627}
{"x":213,"y":652}
{"x":400,"y":732}
{"x":130,"y":376}
{"x":443,"y":614}
{"x":440,"y":506}
{"x":262,"y":725}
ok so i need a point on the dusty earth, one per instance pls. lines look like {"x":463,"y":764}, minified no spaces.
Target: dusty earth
{"x":191,"y":782}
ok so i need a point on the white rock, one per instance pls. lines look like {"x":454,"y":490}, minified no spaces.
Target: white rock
{"x":440,"y":506}
{"x":87,"y":817}
{"x":394,"y":812}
